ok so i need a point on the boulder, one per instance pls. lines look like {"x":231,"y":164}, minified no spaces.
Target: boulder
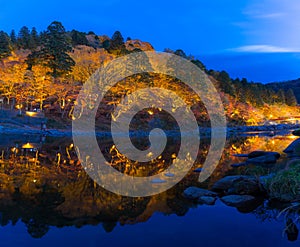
{"x":208,"y":200}
{"x":227,"y":182}
{"x":293,"y":147}
{"x":237,"y":200}
{"x":194,"y":193}
{"x":245,"y":187}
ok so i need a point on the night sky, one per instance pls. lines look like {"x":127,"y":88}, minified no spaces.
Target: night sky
{"x":257,"y":39}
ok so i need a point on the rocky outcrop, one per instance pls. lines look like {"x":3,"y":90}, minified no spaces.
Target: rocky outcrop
{"x":138,"y":44}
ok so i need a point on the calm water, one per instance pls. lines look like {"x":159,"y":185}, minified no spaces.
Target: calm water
{"x":46,"y":199}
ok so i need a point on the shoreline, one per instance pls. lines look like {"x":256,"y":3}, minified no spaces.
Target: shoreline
{"x":271,"y":130}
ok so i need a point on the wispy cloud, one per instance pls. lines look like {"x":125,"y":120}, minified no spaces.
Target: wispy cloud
{"x":263,"y":49}
{"x":270,"y":15}
{"x":262,"y":14}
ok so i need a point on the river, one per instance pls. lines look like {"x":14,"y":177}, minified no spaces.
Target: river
{"x":47,"y":199}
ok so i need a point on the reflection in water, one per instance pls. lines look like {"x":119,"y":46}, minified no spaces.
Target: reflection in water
{"x":43,"y":184}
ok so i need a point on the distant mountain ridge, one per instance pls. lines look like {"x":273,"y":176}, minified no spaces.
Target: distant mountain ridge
{"x":292,"y":84}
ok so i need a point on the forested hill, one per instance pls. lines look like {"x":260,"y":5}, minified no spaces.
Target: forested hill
{"x":38,"y":66}
{"x":293,"y":84}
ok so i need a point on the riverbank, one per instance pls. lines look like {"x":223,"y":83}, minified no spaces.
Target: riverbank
{"x":270,"y":130}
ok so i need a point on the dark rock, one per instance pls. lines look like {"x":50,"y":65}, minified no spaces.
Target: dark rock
{"x":266,"y":159}
{"x":195,"y":193}
{"x":198,"y":170}
{"x":245,"y":187}
{"x":293,"y":147}
{"x":227,"y":182}
{"x":241,"y":155}
{"x":209,"y":200}
{"x":239,"y":164}
{"x":237,"y":200}
{"x":250,"y":207}
{"x":255,"y":154}
{"x":296,"y":132}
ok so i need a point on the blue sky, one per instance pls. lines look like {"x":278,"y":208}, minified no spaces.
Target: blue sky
{"x":208,"y":29}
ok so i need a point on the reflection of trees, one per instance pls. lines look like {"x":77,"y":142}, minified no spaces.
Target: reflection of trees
{"x":43,"y":194}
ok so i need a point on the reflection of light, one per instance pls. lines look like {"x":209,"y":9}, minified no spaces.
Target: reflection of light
{"x":31,"y":113}
{"x":292,"y":137}
{"x":273,"y":142}
{"x":27,"y":146}
{"x":149,"y":154}
{"x":150,"y":112}
{"x":19,"y":107}
{"x":34,"y":180}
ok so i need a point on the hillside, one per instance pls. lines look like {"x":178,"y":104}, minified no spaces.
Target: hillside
{"x":46,"y":71}
{"x":293,"y":84}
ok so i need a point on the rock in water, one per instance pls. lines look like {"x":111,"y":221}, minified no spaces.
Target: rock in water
{"x":158,"y":181}
{"x":237,"y":200}
{"x":294,"y":146}
{"x":266,"y":159}
{"x":255,"y":154}
{"x":239,"y":164}
{"x":296,"y":132}
{"x":241,"y":155}
{"x":195,"y":193}
{"x":208,"y":200}
{"x":227,"y":182}
{"x":198,"y":170}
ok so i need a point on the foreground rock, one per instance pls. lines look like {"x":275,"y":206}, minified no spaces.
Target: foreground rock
{"x":238,"y":200}
{"x":296,"y":132}
{"x":194,"y":193}
{"x":261,"y":158}
{"x":240,"y":185}
{"x":293,"y":147}
{"x":259,"y":153}
{"x":208,"y":200}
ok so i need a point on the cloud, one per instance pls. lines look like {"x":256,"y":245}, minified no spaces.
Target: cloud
{"x":270,"y":15}
{"x":263,"y":49}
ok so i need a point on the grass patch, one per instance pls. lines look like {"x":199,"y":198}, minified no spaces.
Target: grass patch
{"x":285,"y":184}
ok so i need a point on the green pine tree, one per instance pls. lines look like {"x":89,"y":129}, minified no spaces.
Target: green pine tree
{"x":5,"y":48}
{"x":24,"y":38}
{"x":54,"y":53}
{"x":290,"y":97}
